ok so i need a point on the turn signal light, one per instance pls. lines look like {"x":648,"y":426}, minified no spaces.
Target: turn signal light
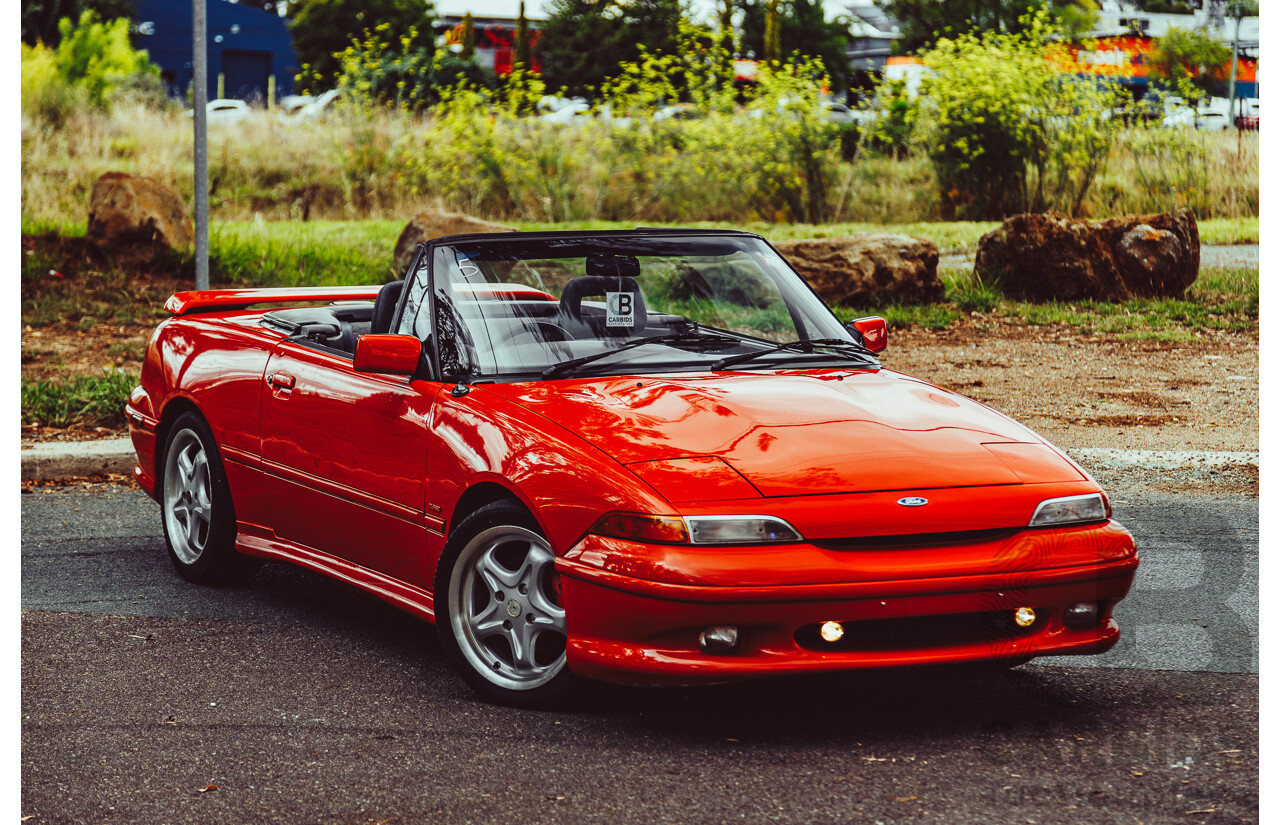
{"x":1024,"y":616}
{"x":662,"y":529}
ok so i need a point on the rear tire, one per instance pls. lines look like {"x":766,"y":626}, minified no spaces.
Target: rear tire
{"x":196,"y":509}
{"x":498,"y":608}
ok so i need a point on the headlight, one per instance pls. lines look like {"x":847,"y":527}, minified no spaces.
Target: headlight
{"x":696,"y":529}
{"x":739,"y":530}
{"x":1071,"y":510}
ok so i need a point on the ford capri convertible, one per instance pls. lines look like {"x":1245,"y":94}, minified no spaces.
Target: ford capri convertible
{"x":650,"y":456}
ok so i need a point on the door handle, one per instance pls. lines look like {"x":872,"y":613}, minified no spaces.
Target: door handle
{"x":280,"y":380}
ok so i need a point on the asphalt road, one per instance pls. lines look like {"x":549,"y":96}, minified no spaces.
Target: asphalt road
{"x":294,"y":699}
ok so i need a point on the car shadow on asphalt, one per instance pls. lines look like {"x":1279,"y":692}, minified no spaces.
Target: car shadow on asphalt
{"x":858,"y":706}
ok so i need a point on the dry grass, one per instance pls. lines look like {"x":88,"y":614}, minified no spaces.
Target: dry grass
{"x":390,"y":166}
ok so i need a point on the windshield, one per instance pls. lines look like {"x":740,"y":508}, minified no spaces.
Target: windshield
{"x":547,"y":307}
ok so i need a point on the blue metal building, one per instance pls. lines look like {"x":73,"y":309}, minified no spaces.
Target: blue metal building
{"x":246,"y":46}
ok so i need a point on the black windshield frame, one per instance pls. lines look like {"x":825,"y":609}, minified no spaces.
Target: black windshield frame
{"x":640,"y":242}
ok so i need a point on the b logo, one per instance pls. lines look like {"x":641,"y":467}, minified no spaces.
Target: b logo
{"x":620,"y":309}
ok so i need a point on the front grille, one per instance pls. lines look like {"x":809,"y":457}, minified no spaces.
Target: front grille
{"x":916,"y":632}
{"x":915,"y":539}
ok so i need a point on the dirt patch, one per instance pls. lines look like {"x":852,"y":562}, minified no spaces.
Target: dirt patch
{"x":1141,"y":399}
{"x":1126,"y":421}
{"x":1092,"y":391}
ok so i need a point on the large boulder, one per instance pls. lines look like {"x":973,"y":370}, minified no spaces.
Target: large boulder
{"x":865,"y":270}
{"x":428,"y":225}
{"x":136,"y":216}
{"x":1050,"y":257}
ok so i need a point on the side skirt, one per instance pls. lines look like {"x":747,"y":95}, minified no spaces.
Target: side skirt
{"x":254,"y":540}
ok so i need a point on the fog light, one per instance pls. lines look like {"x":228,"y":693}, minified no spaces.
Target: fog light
{"x":1024,"y":616}
{"x":1083,"y":614}
{"x":831,"y":631}
{"x":718,"y":638}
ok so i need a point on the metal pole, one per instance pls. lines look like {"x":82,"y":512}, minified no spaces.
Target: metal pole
{"x":1235,"y":55}
{"x":200,"y":63}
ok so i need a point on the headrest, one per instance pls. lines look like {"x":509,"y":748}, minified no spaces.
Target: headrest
{"x":622,"y":298}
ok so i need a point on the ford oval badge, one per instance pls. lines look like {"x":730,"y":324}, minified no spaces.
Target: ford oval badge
{"x":913,"y":501}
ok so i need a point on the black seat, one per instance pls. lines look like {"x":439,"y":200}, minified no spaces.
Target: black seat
{"x":605,"y":274}
{"x":384,"y":308}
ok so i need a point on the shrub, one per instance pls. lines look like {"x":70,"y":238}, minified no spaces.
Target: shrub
{"x":1006,"y":131}
{"x":93,"y":61}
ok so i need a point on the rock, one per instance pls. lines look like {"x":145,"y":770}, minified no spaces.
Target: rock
{"x":1048,"y":257}
{"x":866,"y":270}
{"x":428,"y":225}
{"x":136,"y":216}
{"x":735,"y":283}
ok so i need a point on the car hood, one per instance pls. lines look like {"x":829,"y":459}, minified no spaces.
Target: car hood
{"x":793,"y":433}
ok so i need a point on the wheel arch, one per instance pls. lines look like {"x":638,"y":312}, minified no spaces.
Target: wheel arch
{"x":482,"y":493}
{"x":173,"y":410}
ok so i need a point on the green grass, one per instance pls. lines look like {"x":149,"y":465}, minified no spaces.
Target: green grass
{"x":1225,"y":299}
{"x":312,"y":253}
{"x":87,"y":400}
{"x":1228,"y":231}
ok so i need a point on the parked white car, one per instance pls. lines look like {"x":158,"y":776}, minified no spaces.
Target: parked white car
{"x":223,"y":110}
{"x":1203,"y":120}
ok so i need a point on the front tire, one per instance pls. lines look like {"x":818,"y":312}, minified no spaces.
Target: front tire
{"x":498,"y":607}
{"x":196,"y":508}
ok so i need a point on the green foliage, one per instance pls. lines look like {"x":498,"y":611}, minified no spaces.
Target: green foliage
{"x":584,"y":42}
{"x":802,"y":29}
{"x":924,"y":22}
{"x":1170,"y":6}
{"x":396,"y":72}
{"x":87,"y":400}
{"x":777,"y":161}
{"x":1192,"y":60}
{"x":1006,"y":132}
{"x":40,"y":17}
{"x":321,"y":29}
{"x":893,"y":130}
{"x":92,"y":62}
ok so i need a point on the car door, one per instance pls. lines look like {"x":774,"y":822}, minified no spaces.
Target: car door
{"x":344,"y":454}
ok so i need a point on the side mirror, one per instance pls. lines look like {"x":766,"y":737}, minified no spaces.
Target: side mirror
{"x":389,"y":354}
{"x":872,"y":331}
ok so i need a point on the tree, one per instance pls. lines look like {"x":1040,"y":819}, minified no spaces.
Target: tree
{"x":583,"y":42}
{"x":323,"y":28}
{"x":923,"y":22}
{"x":521,"y":55}
{"x":468,"y":43}
{"x":40,"y":17}
{"x":772,"y":48}
{"x":1191,"y":60}
{"x":802,"y":28}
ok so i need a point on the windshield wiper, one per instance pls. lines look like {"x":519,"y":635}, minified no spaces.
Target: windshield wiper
{"x":853,"y":351}
{"x":692,"y":335}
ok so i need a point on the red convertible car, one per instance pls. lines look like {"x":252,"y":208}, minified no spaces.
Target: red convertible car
{"x":651,"y":456}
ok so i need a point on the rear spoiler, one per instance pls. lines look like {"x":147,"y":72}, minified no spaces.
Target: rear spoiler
{"x":190,"y":303}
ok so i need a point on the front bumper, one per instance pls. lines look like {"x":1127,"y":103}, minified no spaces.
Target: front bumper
{"x":644,"y":630}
